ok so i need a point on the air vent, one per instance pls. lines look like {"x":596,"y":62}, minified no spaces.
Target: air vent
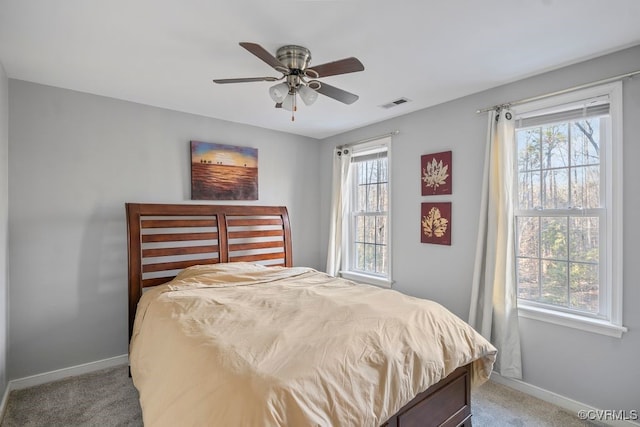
{"x":395,"y":103}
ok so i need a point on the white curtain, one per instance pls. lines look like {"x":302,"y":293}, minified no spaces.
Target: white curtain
{"x":493,"y":310}
{"x":339,"y":203}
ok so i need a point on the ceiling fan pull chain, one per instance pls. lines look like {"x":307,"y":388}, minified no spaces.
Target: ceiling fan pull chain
{"x":294,"y":107}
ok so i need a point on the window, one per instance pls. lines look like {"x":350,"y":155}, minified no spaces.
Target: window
{"x":568,"y":209}
{"x":367,"y":246}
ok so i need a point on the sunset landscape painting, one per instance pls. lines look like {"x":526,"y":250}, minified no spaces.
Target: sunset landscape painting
{"x":223,"y":172}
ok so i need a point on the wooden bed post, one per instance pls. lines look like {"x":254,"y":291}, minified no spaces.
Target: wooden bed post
{"x":134,"y":246}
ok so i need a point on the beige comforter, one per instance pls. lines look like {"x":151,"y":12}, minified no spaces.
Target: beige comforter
{"x":244,"y":345}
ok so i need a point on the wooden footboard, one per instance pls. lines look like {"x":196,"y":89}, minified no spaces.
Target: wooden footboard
{"x":446,"y":404}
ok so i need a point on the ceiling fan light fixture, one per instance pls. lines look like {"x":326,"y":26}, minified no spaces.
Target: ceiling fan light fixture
{"x":279,"y":92}
{"x":309,"y":96}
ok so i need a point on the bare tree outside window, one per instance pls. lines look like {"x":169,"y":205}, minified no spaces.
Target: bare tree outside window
{"x":558,"y":225}
{"x":370,"y":216}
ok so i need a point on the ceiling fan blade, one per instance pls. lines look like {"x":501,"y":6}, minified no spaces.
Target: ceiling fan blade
{"x":342,"y":66}
{"x":337,"y":94}
{"x":246,"y":79}
{"x":263,"y":54}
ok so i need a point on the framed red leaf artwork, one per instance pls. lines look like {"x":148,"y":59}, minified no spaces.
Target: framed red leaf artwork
{"x":435,"y":224}
{"x":436,"y":173}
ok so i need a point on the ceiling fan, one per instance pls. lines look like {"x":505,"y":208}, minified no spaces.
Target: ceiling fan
{"x":299,"y":79}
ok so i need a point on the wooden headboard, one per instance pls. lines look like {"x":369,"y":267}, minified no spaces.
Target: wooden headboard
{"x":163,"y":239}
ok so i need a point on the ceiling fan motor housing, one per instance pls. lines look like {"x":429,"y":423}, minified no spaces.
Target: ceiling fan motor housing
{"x":294,"y":57}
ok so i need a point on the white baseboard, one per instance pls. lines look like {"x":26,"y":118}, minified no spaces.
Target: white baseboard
{"x":59,"y":374}
{"x":565,"y":403}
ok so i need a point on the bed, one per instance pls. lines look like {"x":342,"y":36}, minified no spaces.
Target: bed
{"x":224,"y":330}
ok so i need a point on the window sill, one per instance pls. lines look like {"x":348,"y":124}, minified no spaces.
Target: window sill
{"x":382,"y":282}
{"x":597,"y":326}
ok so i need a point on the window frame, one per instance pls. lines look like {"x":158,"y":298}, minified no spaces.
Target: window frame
{"x":349,"y":271}
{"x":610,"y":234}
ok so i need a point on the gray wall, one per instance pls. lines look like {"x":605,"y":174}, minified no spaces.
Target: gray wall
{"x":4,"y":213}
{"x":590,"y":368}
{"x":75,"y":160}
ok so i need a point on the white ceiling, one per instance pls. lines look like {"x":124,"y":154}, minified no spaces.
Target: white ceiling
{"x":166,"y":52}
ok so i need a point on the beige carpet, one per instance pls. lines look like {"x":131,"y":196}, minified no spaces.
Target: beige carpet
{"x":104,"y":398}
{"x":498,"y":406}
{"x":107,"y":398}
